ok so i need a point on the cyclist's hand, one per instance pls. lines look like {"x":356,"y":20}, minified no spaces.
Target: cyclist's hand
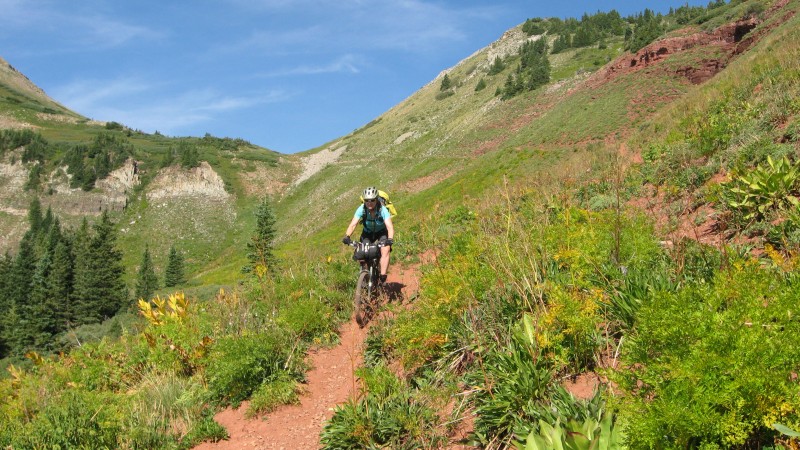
{"x":388,"y":241}
{"x":346,"y":240}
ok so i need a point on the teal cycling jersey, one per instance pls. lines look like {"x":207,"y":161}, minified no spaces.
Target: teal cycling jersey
{"x":372,"y":224}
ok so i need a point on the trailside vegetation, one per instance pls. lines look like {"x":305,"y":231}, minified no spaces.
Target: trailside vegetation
{"x":158,"y":387}
{"x":514,"y":306}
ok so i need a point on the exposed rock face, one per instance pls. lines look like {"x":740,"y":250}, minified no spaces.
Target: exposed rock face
{"x":316,"y":162}
{"x":201,"y":181}
{"x":122,"y":179}
{"x":13,"y":177}
{"x":724,"y":42}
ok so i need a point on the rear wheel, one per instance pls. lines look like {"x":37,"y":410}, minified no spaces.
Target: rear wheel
{"x":361,"y":298}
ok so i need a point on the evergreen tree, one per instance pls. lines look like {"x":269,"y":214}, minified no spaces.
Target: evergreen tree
{"x":259,"y":249}
{"x":497,"y":66}
{"x":6,"y":265}
{"x":146,"y":280}
{"x":80,"y":306}
{"x":481,"y":85}
{"x":35,"y":216}
{"x":44,"y":308}
{"x":189,"y":156}
{"x":49,"y":220}
{"x":61,"y":283}
{"x":173,"y":274}
{"x":446,"y":83}
{"x":563,"y":42}
{"x":22,"y":330}
{"x":99,"y":288}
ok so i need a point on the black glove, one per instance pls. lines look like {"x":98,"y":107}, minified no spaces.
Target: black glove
{"x":346,"y":240}
{"x":388,"y":241}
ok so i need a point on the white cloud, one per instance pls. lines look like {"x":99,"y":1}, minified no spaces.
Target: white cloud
{"x":345,"y":64}
{"x":70,"y":26}
{"x":85,"y":95}
{"x":314,"y":26}
{"x":102,"y":32}
{"x":142,"y":105}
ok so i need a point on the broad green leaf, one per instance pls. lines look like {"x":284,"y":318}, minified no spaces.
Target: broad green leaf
{"x":785,"y":430}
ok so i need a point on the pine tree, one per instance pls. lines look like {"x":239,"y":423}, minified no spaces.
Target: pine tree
{"x":21,"y":331}
{"x":190,"y":157}
{"x":173,"y":274}
{"x":497,"y":66}
{"x":446,"y":83}
{"x":99,"y":288}
{"x":35,"y":215}
{"x":259,"y":249}
{"x":61,"y":283}
{"x":146,"y":280}
{"x":44,"y":321}
{"x":80,"y":306}
{"x":6,"y":264}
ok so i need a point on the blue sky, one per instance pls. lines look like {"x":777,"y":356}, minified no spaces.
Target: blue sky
{"x":288,"y":75}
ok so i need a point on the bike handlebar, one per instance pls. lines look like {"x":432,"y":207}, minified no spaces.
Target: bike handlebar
{"x":364,"y":244}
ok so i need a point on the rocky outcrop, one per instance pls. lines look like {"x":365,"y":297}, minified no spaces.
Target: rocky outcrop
{"x":724,"y":43}
{"x":725,"y":39}
{"x":121,"y":180}
{"x":176,"y":182}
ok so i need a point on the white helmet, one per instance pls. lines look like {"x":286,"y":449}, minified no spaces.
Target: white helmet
{"x":370,"y":193}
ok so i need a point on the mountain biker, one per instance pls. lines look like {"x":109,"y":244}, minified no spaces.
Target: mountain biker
{"x":377,"y":226}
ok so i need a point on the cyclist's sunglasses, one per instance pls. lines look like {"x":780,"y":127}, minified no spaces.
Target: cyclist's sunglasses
{"x":370,"y":200}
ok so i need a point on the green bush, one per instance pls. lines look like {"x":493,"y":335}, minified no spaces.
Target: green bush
{"x":711,"y":365}
{"x":238,"y":365}
{"x":308,"y":317}
{"x":162,"y":409}
{"x":386,"y":416}
{"x":282,"y":390}
{"x":73,"y":418}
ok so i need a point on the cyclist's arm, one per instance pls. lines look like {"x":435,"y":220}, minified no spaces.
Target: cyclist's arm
{"x":356,"y":218}
{"x":352,"y":227}
{"x":389,"y":228}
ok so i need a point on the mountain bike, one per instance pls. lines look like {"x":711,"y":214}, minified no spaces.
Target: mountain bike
{"x":368,"y":283}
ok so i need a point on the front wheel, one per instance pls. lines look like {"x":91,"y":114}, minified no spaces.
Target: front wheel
{"x":361,"y":298}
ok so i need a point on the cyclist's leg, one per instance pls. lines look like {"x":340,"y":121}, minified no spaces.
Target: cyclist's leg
{"x":385,"y":251}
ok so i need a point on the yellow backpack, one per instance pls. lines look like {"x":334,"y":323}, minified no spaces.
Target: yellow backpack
{"x":383,"y":198}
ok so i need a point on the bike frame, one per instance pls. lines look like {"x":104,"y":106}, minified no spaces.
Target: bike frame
{"x":369,"y":273}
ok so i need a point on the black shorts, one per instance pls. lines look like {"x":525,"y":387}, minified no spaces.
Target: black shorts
{"x":374,"y":237}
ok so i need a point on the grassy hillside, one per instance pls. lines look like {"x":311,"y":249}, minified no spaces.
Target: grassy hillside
{"x":631,"y":225}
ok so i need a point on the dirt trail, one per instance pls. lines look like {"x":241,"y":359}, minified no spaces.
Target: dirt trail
{"x":330,"y":382}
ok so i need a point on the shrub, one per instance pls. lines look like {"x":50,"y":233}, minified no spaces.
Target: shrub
{"x":386,"y":416}
{"x":307,"y":317}
{"x":283,"y":390}
{"x":239,"y":364}
{"x":73,"y":418}
{"x":712,"y":364}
